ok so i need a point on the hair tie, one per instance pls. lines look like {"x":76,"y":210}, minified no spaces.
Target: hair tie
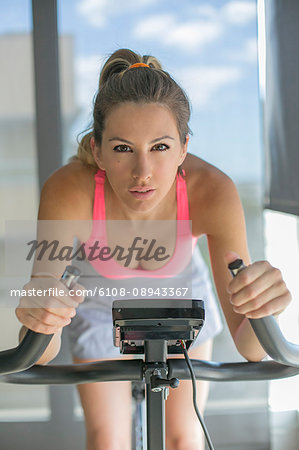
{"x":138,"y":65}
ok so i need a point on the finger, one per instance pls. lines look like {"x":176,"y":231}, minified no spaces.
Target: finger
{"x":257,"y":287}
{"x":49,"y":318}
{"x":60,"y":311}
{"x":276,"y":306}
{"x":50,"y":301}
{"x":49,"y":304}
{"x":229,"y":257}
{"x":264,"y":297}
{"x":252,"y":273}
{"x":44,"y":317}
{"x":65,"y":313}
{"x":49,"y":287}
{"x":79,"y":293}
{"x":27,"y":302}
{"x":35,"y":325}
{"x":63,"y":294}
{"x":51,"y":297}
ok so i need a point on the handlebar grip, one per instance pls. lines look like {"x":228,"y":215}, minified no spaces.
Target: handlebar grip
{"x":269,"y":333}
{"x":33,"y":344}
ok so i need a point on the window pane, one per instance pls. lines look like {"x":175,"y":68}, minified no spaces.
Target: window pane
{"x":18,"y":182}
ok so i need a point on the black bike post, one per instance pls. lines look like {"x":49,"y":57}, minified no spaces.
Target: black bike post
{"x":155,"y":368}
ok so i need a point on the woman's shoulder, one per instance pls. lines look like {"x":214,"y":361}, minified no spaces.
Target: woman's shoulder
{"x":204,"y":178}
{"x":209,"y":192}
{"x":68,"y":192}
{"x":74,"y":173}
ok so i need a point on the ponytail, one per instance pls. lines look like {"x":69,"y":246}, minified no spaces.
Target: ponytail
{"x":84,"y":151}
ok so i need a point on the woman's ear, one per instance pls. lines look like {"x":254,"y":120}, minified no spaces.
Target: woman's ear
{"x":96,"y":152}
{"x":184,"y":150}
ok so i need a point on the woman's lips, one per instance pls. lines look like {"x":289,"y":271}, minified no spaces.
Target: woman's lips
{"x":142,"y":193}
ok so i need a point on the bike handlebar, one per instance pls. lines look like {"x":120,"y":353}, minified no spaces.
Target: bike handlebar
{"x":25,"y":354}
{"x":33,"y":344}
{"x":273,"y":341}
{"x":132,"y":370}
{"x":269,"y":333}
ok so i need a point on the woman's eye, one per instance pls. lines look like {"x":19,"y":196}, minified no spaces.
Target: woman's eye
{"x":122,"y":148}
{"x":161,"y":147}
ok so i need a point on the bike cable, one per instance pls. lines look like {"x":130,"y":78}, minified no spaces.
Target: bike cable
{"x":200,"y":418}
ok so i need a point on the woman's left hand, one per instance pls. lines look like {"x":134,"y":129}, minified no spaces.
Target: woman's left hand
{"x":258,"y":290}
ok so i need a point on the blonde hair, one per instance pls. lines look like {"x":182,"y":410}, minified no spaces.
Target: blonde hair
{"x":119,"y":84}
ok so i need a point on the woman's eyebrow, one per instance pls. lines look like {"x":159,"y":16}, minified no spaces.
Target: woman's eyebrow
{"x":160,"y":139}
{"x":116,"y":138}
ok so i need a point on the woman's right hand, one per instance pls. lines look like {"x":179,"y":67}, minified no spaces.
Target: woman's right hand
{"x":50,"y":312}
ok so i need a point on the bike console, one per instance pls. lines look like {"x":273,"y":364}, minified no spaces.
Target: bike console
{"x":136,"y":321}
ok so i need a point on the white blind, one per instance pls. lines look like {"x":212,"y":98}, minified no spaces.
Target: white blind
{"x":281,"y":106}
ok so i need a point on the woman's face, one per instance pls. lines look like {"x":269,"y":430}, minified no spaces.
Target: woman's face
{"x":140,"y":152}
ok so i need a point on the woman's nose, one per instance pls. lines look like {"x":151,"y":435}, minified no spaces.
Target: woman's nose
{"x":142,"y":170}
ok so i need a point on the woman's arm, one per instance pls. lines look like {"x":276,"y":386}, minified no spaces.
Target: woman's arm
{"x":258,"y":290}
{"x":58,"y":216}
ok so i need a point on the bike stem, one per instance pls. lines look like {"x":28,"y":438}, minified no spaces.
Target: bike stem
{"x":156,"y":386}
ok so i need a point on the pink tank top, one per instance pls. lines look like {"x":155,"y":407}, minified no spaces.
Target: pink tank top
{"x":185,"y":242}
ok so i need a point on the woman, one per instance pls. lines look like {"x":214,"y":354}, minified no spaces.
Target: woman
{"x":134,"y":167}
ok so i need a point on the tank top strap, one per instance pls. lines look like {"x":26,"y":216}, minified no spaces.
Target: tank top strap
{"x":100,"y":176}
{"x":182,"y":198}
{"x":99,"y":212}
{"x":183,"y":209}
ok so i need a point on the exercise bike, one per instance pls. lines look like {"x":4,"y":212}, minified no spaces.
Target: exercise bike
{"x":155,"y":330}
